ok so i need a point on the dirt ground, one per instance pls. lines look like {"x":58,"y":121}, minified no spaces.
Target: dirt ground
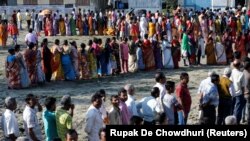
{"x":81,"y":91}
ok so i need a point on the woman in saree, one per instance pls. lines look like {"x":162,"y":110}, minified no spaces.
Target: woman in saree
{"x":185,"y":49}
{"x":85,"y":26}
{"x":167,"y":59}
{"x":104,"y":56}
{"x":227,"y":43}
{"x":48,"y":25}
{"x":56,"y":65}
{"x":30,"y":57}
{"x":79,"y":24}
{"x":176,"y":52}
{"x":25,"y":81}
{"x":12,"y":69}
{"x":139,"y":56}
{"x":39,"y":69}
{"x":74,"y":58}
{"x":62,"y":28}
{"x":100,"y":25}
{"x":220,"y":52}
{"x":92,"y":64}
{"x":217,"y":25}
{"x":67,"y":25}
{"x":83,"y":63}
{"x":239,"y":25}
{"x":72,"y":26}
{"x":210,"y":52}
{"x":240,"y":45}
{"x":90,"y":25}
{"x":148,"y":54}
{"x":132,"y":61}
{"x":46,"y":60}
{"x":37,"y":26}
{"x":152,"y":29}
{"x":134,"y":30}
{"x":68,"y":69}
{"x":157,"y":52}
{"x":3,"y":34}
{"x":124,"y":55}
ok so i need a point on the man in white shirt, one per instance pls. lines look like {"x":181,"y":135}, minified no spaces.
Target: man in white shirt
{"x":143,"y":26}
{"x":32,"y":128}
{"x":237,"y":77}
{"x":170,"y":102}
{"x":103,"y":110}
{"x":204,"y":83}
{"x":9,"y":121}
{"x":31,"y":38}
{"x":147,"y":107}
{"x":94,"y":120}
{"x":40,"y":19}
{"x":74,"y":13}
{"x":131,"y":100}
{"x":5,"y":17}
{"x":110,"y":5}
{"x":33,"y":16}
{"x":160,"y":79}
{"x":201,"y":49}
{"x":19,"y":20}
{"x":210,"y":101}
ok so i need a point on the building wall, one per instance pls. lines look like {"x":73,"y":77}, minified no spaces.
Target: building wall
{"x":43,"y":1}
{"x":198,"y":4}
{"x":19,"y":2}
{"x":69,"y":1}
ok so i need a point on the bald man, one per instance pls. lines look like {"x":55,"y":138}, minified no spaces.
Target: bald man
{"x":9,"y":121}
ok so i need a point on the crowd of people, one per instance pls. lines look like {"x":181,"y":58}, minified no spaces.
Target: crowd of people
{"x":167,"y":104}
{"x":152,"y":41}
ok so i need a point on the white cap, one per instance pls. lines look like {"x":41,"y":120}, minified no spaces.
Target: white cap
{"x":227,"y":71}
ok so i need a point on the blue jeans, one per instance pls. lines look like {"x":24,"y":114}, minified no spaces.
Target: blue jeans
{"x":248,"y":110}
{"x":14,"y":37}
{"x":238,"y":105}
{"x":181,"y":118}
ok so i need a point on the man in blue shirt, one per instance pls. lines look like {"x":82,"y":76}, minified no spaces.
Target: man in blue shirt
{"x":210,"y":101}
{"x":49,"y":119}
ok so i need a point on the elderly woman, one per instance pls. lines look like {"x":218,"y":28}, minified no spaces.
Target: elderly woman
{"x":9,"y":121}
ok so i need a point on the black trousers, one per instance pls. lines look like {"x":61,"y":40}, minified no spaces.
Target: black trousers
{"x":28,"y":24}
{"x":5,"y":21}
{"x":209,"y":115}
{"x":199,"y":57}
{"x":224,"y":110}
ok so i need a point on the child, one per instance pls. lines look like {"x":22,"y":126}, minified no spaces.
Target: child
{"x":12,"y":29}
{"x":170,"y":102}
